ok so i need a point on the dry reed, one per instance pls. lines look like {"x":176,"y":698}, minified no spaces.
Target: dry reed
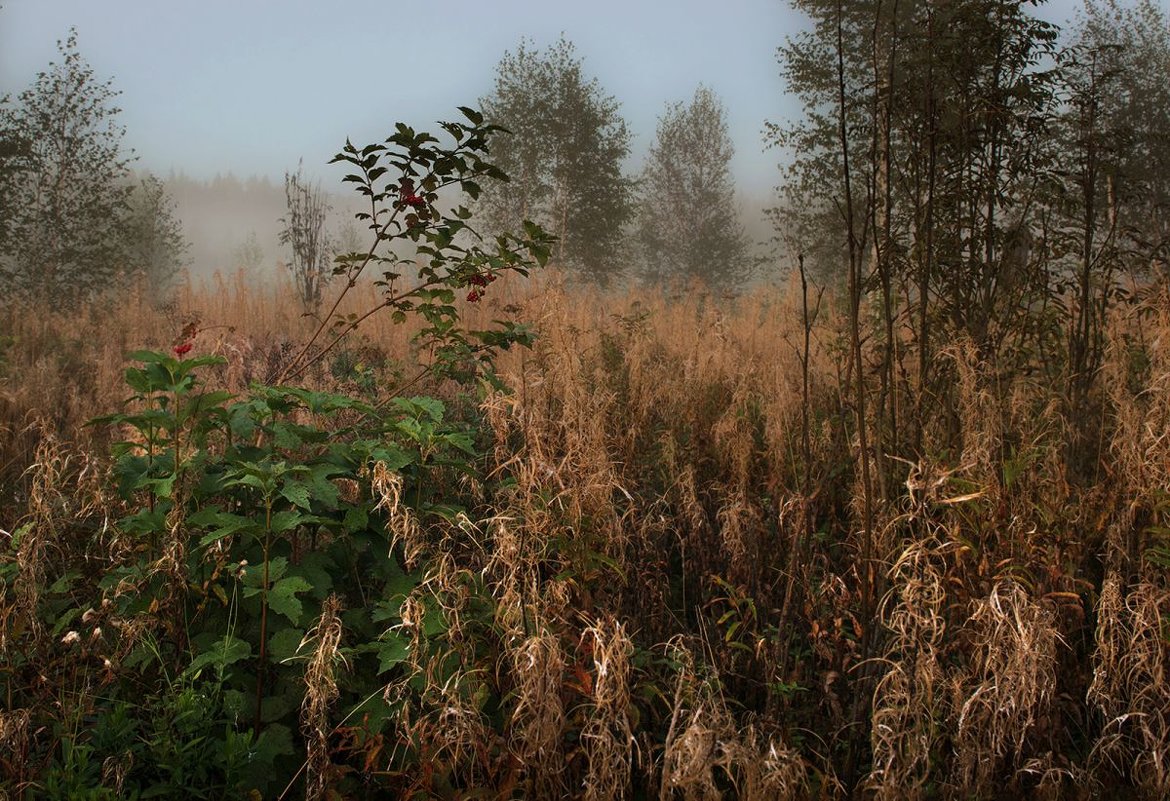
{"x":650,"y":454}
{"x":320,"y":693}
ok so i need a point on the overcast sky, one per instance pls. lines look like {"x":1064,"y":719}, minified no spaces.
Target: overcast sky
{"x":250,"y":86}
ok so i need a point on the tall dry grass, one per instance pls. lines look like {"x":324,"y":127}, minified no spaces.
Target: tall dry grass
{"x":675,"y":549}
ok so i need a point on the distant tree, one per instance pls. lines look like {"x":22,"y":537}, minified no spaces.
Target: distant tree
{"x":68,"y":185}
{"x":14,"y":153}
{"x":347,"y":240}
{"x":810,"y":218}
{"x":564,"y":154}
{"x":687,"y":224}
{"x":304,"y":229}
{"x":155,"y":248}
{"x":1127,"y":49}
{"x":249,"y":255}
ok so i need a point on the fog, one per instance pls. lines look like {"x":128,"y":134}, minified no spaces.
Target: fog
{"x":224,"y":216}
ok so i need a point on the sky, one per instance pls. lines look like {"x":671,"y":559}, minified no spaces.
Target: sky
{"x":253,"y":86}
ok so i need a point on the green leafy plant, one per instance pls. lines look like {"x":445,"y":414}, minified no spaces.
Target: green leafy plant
{"x":414,"y":229}
{"x":247,"y":514}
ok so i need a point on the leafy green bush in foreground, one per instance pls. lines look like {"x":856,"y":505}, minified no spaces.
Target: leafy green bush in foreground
{"x":270,"y":583}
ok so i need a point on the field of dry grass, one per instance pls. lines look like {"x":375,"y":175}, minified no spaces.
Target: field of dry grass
{"x":688,"y":600}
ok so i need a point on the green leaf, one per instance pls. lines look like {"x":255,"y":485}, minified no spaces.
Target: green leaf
{"x":274,"y":741}
{"x":254,"y":574}
{"x":284,"y":643}
{"x":275,"y":707}
{"x":207,"y":400}
{"x":434,"y":622}
{"x":471,"y":114}
{"x":64,"y":620}
{"x":225,"y":652}
{"x":262,"y":483}
{"x":420,"y":407}
{"x":146,"y":521}
{"x":221,"y":524}
{"x":394,"y":457}
{"x":235,"y":703}
{"x":399,"y":583}
{"x":282,"y":597}
{"x":287,"y":437}
{"x":393,"y":649}
{"x":287,"y":520}
{"x":356,"y":518}
{"x":317,"y":569}
{"x":321,"y":488}
{"x":461,"y":440}
{"x":296,"y":493}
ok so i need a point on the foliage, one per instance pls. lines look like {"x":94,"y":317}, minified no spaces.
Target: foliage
{"x":401,"y":180}
{"x":1129,"y":47}
{"x":155,"y":245}
{"x":249,"y":518}
{"x":246,"y":531}
{"x":769,"y":549}
{"x":72,"y":191}
{"x":13,"y":150}
{"x":809,"y":217}
{"x":76,"y":224}
{"x":564,"y":156}
{"x":687,"y":222}
{"x":622,"y":482}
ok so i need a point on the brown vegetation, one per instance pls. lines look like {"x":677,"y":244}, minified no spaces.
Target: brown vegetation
{"x":677,"y":551}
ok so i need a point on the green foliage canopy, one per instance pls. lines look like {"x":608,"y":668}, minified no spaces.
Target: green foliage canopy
{"x":687,"y":223}
{"x":564,"y":155}
{"x":75,"y":223}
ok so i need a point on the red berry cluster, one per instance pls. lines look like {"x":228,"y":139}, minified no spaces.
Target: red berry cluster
{"x":479,"y":281}
{"x":414,"y":201}
{"x":185,"y":341}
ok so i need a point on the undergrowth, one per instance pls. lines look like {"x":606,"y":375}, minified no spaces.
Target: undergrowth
{"x":622,"y":562}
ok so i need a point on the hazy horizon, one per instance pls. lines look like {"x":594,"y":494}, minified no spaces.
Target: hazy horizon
{"x":248,"y":91}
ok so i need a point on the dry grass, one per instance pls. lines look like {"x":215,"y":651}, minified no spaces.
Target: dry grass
{"x":909,"y":702}
{"x":1131,"y":687}
{"x":1007,"y":687}
{"x":706,"y":753}
{"x":657,"y":488}
{"x":321,"y":692}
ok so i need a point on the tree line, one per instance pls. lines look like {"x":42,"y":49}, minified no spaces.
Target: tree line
{"x":566,"y":156}
{"x":971,"y":174}
{"x":564,"y":147}
{"x":76,"y":220}
{"x":977,"y":162}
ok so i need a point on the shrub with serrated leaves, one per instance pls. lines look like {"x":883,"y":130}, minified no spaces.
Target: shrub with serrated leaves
{"x":244,"y":514}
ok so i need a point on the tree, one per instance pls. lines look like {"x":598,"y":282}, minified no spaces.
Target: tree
{"x":14,"y":152}
{"x":564,"y":154}
{"x":249,"y":255}
{"x":67,"y":189}
{"x":809,"y":218}
{"x":687,"y":223}
{"x":1129,"y":48}
{"x":304,"y":230}
{"x":154,"y":244}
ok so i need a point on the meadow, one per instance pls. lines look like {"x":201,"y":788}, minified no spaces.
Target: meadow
{"x":639,"y":561}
